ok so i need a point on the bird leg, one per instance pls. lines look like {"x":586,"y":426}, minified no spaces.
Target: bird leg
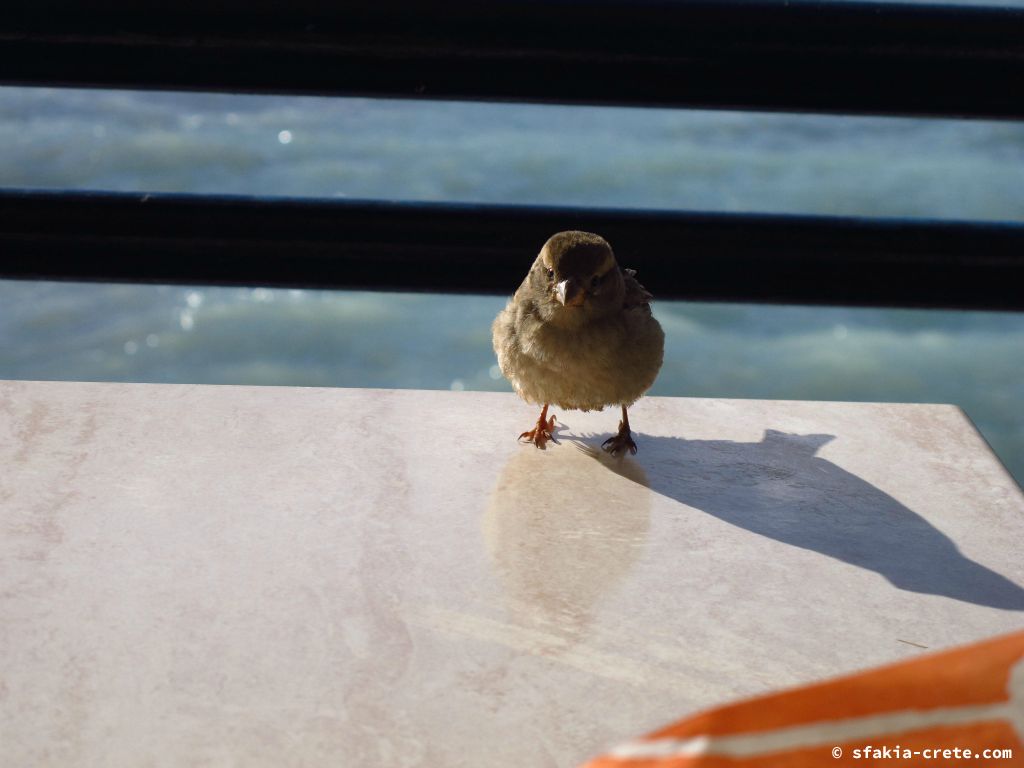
{"x":540,"y":434}
{"x":623,"y":440}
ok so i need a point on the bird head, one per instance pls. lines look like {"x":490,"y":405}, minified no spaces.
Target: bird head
{"x":576,"y":278}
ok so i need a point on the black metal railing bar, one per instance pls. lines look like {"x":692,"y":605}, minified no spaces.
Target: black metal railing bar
{"x":488,"y":248}
{"x":780,"y":55}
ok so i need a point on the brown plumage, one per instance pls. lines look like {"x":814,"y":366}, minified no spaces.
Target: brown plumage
{"x":579,"y":334}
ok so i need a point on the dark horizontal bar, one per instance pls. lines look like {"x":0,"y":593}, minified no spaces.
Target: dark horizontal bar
{"x":792,"y":55}
{"x":488,"y":249}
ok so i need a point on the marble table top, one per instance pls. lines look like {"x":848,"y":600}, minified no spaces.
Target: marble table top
{"x":217,"y":576}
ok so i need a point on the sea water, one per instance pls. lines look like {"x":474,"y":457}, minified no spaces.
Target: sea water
{"x":503,"y":153}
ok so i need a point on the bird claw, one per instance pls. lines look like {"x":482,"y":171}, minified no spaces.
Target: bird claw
{"x":540,"y":434}
{"x":616,"y":444}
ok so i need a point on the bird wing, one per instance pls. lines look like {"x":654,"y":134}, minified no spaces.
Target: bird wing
{"x":636,"y":294}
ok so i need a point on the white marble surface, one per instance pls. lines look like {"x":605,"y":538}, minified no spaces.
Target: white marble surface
{"x":221,"y":576}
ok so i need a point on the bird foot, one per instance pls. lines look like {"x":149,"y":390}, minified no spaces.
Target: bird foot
{"x":620,"y":443}
{"x":540,"y":434}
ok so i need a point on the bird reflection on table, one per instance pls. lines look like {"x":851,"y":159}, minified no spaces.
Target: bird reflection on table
{"x":563,"y":529}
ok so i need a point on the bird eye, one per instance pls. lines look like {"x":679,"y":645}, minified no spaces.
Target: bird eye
{"x":551,"y":273}
{"x":594,"y":281}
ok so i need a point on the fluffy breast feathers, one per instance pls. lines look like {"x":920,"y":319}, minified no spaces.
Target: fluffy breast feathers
{"x":611,"y":360}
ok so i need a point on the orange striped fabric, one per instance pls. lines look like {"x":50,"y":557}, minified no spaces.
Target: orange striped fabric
{"x":966,"y":704}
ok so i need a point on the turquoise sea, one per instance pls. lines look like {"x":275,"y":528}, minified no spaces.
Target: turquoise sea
{"x":360,"y":148}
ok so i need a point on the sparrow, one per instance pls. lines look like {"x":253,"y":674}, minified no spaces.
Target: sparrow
{"x":579,"y":334}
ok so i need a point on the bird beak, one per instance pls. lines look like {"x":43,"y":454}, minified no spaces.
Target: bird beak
{"x":570,"y":293}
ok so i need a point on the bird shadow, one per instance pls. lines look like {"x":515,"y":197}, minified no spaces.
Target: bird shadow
{"x":781,"y":489}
